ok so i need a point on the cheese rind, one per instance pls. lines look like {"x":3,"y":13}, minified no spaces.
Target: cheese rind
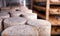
{"x":4,"y":15}
{"x":31,"y":15}
{"x":43,"y":26}
{"x":14,"y":21}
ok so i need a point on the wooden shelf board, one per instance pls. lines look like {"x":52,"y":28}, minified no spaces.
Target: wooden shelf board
{"x":40,"y":7}
{"x":51,"y":19}
{"x":39,"y":1}
{"x":55,"y":33}
{"x":52,"y":3}
{"x":55,"y":3}
{"x":56,"y":13}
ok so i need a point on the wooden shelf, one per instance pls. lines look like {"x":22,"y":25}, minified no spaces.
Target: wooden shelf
{"x":51,"y":19}
{"x":52,"y":3}
{"x":44,"y":9}
{"x":50,"y":13}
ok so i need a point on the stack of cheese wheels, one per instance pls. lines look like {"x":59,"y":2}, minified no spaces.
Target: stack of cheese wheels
{"x":14,"y":21}
{"x":0,"y":25}
{"x":43,"y":26}
{"x":31,"y":16}
{"x":20,"y":30}
{"x":16,"y":13}
{"x":4,"y":15}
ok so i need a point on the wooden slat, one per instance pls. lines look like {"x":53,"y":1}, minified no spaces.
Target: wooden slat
{"x":39,"y":1}
{"x":55,"y":3}
{"x":40,"y":8}
{"x":47,"y":9}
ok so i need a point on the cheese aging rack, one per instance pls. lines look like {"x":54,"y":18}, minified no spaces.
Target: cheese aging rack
{"x":48,"y":10}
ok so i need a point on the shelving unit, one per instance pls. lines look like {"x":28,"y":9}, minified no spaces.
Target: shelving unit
{"x":50,"y":12}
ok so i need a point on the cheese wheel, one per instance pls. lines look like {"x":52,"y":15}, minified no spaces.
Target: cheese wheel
{"x":14,"y":21}
{"x":16,"y":13}
{"x":29,"y":11}
{"x":17,"y":8}
{"x":0,"y":25}
{"x":43,"y":26}
{"x":4,"y":15}
{"x":31,"y":16}
{"x":20,"y":30}
{"x":23,"y":8}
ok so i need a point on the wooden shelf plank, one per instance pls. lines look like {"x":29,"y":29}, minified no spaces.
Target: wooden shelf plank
{"x":55,"y":3}
{"x":51,"y":19}
{"x":40,"y":7}
{"x":39,"y":1}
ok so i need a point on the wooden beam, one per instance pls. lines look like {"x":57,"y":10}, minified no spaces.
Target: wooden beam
{"x":47,"y":9}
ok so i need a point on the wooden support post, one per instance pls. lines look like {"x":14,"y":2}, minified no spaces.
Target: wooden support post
{"x":47,"y":9}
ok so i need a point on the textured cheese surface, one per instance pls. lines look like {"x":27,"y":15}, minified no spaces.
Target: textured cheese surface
{"x":43,"y":26}
{"x":4,"y":15}
{"x":23,"y":8}
{"x":29,"y":11}
{"x":15,"y":13}
{"x":31,"y":15}
{"x":20,"y":30}
{"x":14,"y":21}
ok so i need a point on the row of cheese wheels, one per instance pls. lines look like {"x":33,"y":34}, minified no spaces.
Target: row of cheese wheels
{"x":19,"y":26}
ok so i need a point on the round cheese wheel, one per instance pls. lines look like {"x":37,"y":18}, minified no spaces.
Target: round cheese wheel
{"x":43,"y":26}
{"x":23,"y":8}
{"x":0,"y":25}
{"x":15,"y":13}
{"x":4,"y":15}
{"x":14,"y":21}
{"x":29,"y":11}
{"x":17,"y":8}
{"x":20,"y":30}
{"x":31,"y":16}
